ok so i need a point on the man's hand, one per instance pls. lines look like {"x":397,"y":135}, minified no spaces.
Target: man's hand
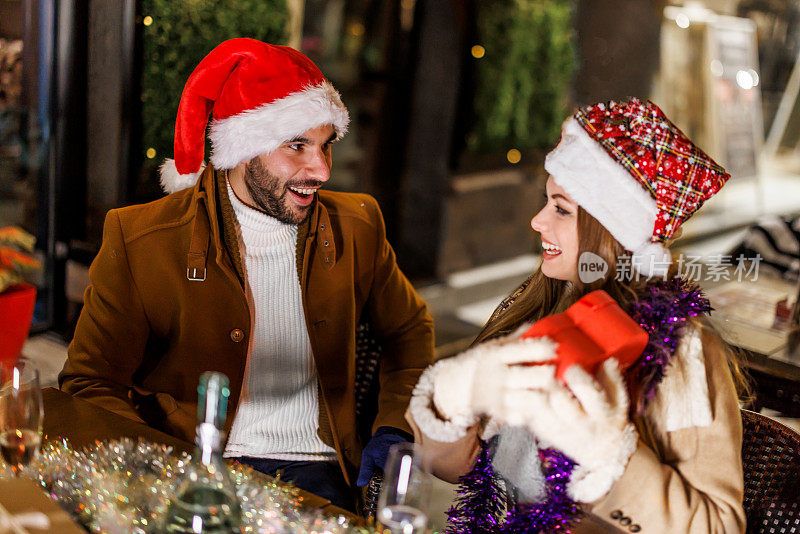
{"x":377,"y":450}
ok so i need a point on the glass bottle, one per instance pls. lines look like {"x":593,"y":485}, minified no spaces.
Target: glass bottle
{"x":205,"y":501}
{"x":405,"y":492}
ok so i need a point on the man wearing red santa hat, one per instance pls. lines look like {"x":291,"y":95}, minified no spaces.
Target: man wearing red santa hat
{"x":249,"y":268}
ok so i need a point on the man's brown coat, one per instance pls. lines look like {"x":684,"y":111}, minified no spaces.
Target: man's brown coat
{"x":167,"y":302}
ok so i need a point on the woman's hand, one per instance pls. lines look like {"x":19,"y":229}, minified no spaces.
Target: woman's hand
{"x":478,"y":381}
{"x":586,"y":419}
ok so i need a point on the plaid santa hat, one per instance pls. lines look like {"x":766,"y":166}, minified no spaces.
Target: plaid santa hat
{"x":633,"y":170}
{"x":261,"y":96}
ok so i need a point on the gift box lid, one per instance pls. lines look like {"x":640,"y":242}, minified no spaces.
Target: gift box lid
{"x":591,"y":331}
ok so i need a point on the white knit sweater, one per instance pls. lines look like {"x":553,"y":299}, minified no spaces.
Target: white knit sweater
{"x":277,"y":416}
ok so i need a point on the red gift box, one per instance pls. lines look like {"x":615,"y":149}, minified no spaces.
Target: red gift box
{"x":591,"y":331}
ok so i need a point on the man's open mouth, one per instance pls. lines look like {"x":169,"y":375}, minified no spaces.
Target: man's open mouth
{"x":303,"y":195}
{"x":302,"y":191}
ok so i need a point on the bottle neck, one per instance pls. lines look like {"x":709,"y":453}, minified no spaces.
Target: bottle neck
{"x":209,"y":442}
{"x":212,"y":401}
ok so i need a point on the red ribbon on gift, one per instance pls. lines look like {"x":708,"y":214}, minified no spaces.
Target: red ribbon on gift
{"x":591,"y":331}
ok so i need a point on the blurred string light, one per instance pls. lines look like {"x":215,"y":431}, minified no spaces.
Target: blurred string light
{"x":407,"y":14}
{"x":716,"y":68}
{"x":356,"y":29}
{"x":682,"y":20}
{"x":148,"y":20}
{"x":151,"y":153}
{"x":514,"y":156}
{"x":478,"y":51}
{"x":746,"y":80}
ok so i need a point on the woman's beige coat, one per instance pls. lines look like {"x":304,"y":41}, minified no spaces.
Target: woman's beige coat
{"x":688,"y":480}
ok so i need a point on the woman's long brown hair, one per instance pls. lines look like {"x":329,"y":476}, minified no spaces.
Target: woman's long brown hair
{"x":545,"y":296}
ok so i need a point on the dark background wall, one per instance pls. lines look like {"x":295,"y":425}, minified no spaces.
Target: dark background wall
{"x":618,"y":42}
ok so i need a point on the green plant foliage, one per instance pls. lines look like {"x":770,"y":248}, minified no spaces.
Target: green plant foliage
{"x":181,"y":33}
{"x":523,"y":80}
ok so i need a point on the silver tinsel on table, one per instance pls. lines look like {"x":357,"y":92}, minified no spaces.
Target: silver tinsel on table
{"x":125,"y":486}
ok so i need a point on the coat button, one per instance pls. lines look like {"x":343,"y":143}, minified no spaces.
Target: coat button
{"x":634,"y":528}
{"x":616,"y":514}
{"x":325,"y":243}
{"x":321,"y":226}
{"x":625,"y":521}
{"x":237,"y":335}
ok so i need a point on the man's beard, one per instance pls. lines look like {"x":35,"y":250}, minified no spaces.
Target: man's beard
{"x":269,"y":192}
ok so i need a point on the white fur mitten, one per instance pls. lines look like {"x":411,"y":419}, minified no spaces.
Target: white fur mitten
{"x":587,"y":420}
{"x":454,"y":392}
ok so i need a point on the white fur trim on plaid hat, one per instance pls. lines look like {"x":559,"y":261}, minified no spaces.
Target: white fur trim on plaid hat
{"x":605,"y":190}
{"x":172,"y":180}
{"x":652,"y":259}
{"x":261,"y":130}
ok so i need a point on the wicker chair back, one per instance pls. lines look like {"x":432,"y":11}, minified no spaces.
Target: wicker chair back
{"x":771,"y":461}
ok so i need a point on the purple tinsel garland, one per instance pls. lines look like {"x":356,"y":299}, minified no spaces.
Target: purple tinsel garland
{"x":661,"y":312}
{"x":481,"y":499}
{"x":558,"y":512}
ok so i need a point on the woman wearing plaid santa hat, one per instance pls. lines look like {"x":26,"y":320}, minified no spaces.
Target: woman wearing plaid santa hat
{"x":590,"y":427}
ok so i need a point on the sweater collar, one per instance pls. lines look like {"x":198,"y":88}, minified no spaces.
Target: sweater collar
{"x":211,"y":189}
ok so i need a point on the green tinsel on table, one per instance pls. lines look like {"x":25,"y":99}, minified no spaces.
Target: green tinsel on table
{"x":124,"y":486}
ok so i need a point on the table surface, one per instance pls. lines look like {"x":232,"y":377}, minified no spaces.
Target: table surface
{"x":772,"y":352}
{"x":24,"y":496}
{"x":744,"y":316}
{"x":84,"y":423}
{"x":744,"y":313}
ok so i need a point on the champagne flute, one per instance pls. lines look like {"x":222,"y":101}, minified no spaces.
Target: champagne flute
{"x":403,"y":502}
{"x":21,"y":413}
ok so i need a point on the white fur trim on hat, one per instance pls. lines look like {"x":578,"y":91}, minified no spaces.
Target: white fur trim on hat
{"x":172,"y":180}
{"x":261,"y":130}
{"x":652,"y":260}
{"x":602,"y":187}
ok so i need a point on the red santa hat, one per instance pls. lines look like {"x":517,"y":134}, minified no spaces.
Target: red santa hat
{"x":261,"y":96}
{"x":633,"y":170}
